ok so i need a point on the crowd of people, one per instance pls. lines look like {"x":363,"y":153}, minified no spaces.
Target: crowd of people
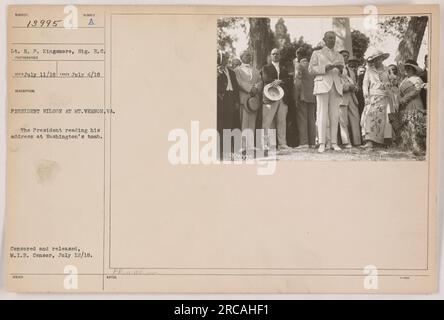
{"x":339,"y":102}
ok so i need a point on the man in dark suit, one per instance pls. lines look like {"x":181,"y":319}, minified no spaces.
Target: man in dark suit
{"x":348,"y":108}
{"x":278,"y":75}
{"x":305,"y":100}
{"x":228,"y":114}
{"x":359,"y":93}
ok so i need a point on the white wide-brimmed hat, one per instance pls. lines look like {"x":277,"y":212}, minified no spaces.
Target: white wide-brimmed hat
{"x":273,"y":93}
{"x":377,"y":54}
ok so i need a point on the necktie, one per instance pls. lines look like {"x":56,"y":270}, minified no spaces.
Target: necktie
{"x":249,"y":72}
{"x":277,"y":69}
{"x":229,"y":85}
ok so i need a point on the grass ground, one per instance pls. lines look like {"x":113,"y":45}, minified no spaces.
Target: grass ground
{"x":377,"y":154}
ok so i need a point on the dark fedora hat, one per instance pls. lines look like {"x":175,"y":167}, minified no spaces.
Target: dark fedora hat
{"x":353,"y":59}
{"x":412,"y":64}
{"x":253,"y":103}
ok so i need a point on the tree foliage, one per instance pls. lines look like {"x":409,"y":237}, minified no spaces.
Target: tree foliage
{"x":261,"y":39}
{"x":288,"y":52}
{"x":225,"y":38}
{"x":281,"y":35}
{"x":395,"y":26}
{"x":360,"y":43}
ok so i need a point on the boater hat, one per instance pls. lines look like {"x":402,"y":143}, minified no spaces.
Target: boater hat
{"x":273,"y":93}
{"x":378,"y":54}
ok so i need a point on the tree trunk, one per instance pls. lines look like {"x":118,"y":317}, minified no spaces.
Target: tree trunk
{"x":341,"y":26}
{"x":411,"y":43}
{"x":260,"y":41}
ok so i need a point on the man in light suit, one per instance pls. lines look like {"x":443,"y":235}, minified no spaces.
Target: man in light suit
{"x":327,"y":65}
{"x":250,"y":84}
{"x":348,"y":110}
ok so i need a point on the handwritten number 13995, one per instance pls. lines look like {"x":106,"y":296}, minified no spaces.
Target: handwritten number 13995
{"x":43,"y":23}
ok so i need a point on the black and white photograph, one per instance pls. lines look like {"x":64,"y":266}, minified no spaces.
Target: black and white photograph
{"x":323,"y":88}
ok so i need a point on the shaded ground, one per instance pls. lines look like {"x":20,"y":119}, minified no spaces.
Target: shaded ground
{"x":378,"y":154}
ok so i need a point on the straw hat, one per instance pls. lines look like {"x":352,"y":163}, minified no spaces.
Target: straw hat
{"x":377,"y":55}
{"x":273,"y":93}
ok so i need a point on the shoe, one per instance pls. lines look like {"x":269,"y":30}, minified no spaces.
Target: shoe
{"x":284,"y":148}
{"x":302,"y":146}
{"x":368,"y":146}
{"x":321,"y":148}
{"x":348,"y":146}
{"x":335,"y":147}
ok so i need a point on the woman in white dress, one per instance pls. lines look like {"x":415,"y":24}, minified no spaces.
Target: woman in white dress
{"x":378,"y":97}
